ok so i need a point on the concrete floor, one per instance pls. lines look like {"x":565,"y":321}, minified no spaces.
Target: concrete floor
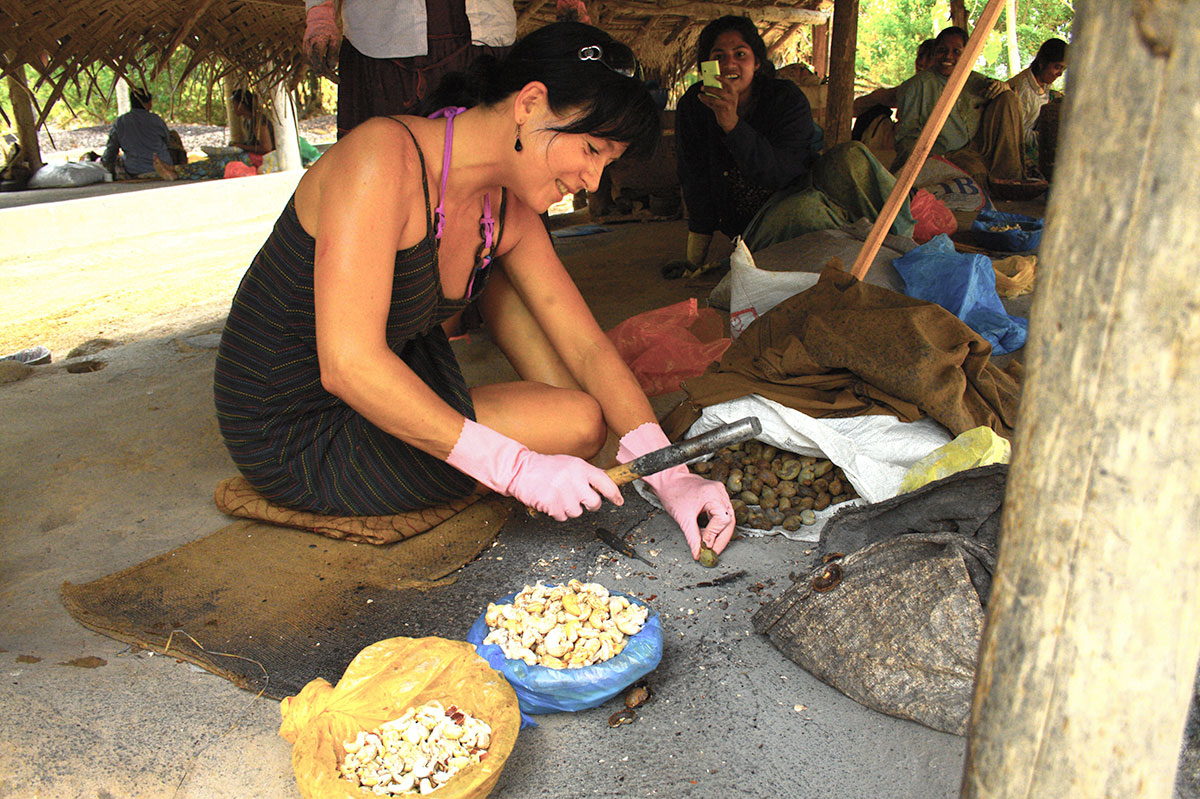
{"x":104,"y":470}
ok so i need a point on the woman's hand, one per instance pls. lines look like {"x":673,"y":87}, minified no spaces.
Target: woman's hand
{"x":562,"y":486}
{"x":724,"y":103}
{"x":684,"y":495}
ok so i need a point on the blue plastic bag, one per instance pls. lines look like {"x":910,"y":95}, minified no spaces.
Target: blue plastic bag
{"x":965,"y":285}
{"x":1027,"y":235}
{"x":544,"y":690}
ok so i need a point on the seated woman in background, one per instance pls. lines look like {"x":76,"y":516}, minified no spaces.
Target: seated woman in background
{"x":873,"y":123}
{"x":259,"y":140}
{"x":141,"y":135}
{"x":982,"y":134}
{"x":1032,"y":87}
{"x":748,"y":159}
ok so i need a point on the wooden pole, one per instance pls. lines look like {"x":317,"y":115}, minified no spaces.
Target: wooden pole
{"x":1093,"y":629}
{"x":20,"y":99}
{"x":929,"y":134}
{"x":958,"y":14}
{"x":839,"y":107}
{"x":287,"y":135}
{"x":1010,"y":25}
{"x":820,"y":50}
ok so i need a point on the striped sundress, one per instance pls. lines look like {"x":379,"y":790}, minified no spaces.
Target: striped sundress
{"x":296,"y":443}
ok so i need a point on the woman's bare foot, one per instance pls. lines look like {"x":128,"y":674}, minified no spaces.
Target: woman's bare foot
{"x":164,"y":170}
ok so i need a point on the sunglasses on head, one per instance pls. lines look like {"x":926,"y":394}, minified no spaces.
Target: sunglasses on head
{"x":595,"y":52}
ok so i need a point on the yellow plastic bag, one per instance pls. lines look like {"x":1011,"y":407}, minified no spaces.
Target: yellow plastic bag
{"x":1015,"y":275}
{"x":979,"y":446}
{"x":383,"y":681}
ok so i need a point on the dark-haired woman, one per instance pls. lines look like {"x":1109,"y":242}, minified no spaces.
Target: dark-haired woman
{"x":748,"y":153}
{"x":336,"y":387}
{"x":1032,"y":86}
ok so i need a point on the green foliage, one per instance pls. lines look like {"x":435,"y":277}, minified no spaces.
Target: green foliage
{"x":889,"y":32}
{"x":197,"y":98}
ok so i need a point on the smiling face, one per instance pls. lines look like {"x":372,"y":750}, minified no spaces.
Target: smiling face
{"x":737,"y":60}
{"x":947,"y":52}
{"x":558,"y":164}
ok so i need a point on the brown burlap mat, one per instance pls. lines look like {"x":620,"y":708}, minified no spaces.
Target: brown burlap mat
{"x":237,"y":497}
{"x":270,"y":608}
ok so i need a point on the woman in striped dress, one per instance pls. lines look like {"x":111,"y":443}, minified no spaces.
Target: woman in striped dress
{"x":336,"y":388}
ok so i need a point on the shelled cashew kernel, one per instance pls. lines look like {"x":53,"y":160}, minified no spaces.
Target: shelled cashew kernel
{"x":416,"y":753}
{"x":564,"y":627}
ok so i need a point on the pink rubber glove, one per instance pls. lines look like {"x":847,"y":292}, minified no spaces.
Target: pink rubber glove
{"x":322,"y":39}
{"x":561,"y":486}
{"x":684,"y":495}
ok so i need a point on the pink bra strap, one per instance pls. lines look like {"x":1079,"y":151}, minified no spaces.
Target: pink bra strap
{"x":449,"y":112}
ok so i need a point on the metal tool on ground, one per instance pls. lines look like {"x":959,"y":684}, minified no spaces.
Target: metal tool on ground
{"x":615,"y":541}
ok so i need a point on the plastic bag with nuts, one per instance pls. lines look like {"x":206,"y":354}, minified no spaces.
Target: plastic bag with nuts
{"x":545,"y":689}
{"x":383,"y":681}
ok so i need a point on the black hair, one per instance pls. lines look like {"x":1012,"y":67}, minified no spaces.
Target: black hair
{"x":925,"y":48}
{"x":953,"y":30}
{"x":244,"y":97}
{"x":744,"y":27}
{"x":138,"y":98}
{"x":1051,"y":51}
{"x":612,"y":105}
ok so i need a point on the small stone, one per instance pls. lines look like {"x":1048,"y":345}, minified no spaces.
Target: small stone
{"x":91,"y":347}
{"x":12,"y":371}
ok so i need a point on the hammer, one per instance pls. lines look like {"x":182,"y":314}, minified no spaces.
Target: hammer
{"x":684,"y":451}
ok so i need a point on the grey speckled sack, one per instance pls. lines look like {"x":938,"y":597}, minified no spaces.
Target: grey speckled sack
{"x":896,"y":624}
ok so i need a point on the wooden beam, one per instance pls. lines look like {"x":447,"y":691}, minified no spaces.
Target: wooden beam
{"x":708,"y":11}
{"x":820,"y":40}
{"x":839,"y":109}
{"x":179,"y":36}
{"x":958,"y":14}
{"x":929,"y":134}
{"x":530,"y":10}
{"x":1093,"y":628}
{"x":1010,"y":25}
{"x":20,"y":99}
{"x":784,"y":40}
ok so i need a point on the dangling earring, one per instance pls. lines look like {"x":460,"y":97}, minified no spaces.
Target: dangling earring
{"x":518,"y":146}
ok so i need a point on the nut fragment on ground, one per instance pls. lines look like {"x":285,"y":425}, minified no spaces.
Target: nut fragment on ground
{"x":564,"y":627}
{"x":418,"y":752}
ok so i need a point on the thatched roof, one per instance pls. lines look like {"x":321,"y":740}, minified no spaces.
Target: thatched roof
{"x":64,"y":41}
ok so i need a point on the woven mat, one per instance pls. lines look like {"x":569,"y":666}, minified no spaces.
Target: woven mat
{"x":270,"y":608}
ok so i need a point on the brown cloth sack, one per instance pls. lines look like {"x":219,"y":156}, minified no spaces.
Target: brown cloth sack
{"x":849,"y":348}
{"x":237,"y":497}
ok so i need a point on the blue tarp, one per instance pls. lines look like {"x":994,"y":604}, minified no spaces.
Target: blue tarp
{"x":965,"y":285}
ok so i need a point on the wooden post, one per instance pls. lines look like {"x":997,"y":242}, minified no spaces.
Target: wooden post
{"x":19,"y":98}
{"x":287,"y":135}
{"x":1010,"y":26}
{"x":839,"y":109}
{"x":958,"y":14}
{"x":820,"y":50}
{"x":1093,"y":630}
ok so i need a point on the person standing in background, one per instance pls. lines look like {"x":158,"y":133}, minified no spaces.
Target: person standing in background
{"x":389,"y":54}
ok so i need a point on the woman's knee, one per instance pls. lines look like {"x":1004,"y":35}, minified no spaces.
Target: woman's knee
{"x":587,"y":431}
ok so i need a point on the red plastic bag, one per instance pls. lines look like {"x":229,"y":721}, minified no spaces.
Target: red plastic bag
{"x":932,"y":216}
{"x":670,"y":344}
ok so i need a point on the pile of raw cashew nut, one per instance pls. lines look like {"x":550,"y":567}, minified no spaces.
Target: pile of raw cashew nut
{"x":769,"y":487}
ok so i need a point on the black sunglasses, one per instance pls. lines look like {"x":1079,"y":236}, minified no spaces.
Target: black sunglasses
{"x":594,"y":52}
